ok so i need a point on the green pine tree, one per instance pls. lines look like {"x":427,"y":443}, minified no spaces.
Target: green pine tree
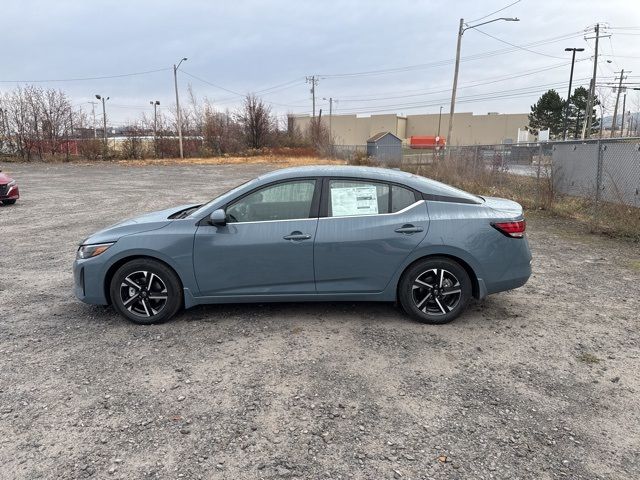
{"x":547,"y":113}
{"x":577,"y":107}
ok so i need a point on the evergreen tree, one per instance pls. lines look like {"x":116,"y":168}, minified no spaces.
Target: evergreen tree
{"x":577,"y":107}
{"x":547,"y":113}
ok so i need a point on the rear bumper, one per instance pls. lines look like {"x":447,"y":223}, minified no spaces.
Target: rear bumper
{"x":515,"y":269}
{"x":510,"y":283}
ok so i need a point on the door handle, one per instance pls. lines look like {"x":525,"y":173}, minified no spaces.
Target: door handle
{"x":297,"y":236}
{"x":408,"y":229}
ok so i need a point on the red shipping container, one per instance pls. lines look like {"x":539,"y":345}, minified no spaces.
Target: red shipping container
{"x":426,"y":141}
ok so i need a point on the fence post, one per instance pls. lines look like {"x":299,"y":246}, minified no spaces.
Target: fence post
{"x":475,"y":160}
{"x":538,"y":176}
{"x":598,"y":182}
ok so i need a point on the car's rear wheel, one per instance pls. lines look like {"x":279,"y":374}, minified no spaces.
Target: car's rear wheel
{"x":146,"y":291}
{"x":9,"y":202}
{"x":435,"y":290}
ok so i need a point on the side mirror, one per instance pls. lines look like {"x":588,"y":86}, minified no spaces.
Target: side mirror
{"x":218,"y":218}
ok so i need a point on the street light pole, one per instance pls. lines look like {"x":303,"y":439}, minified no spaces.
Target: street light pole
{"x":439,"y":120}
{"x":155,"y":126}
{"x":155,"y":116}
{"x":331,"y":100}
{"x":104,"y":119}
{"x":566,"y":110}
{"x":461,"y":30}
{"x":179,"y":115}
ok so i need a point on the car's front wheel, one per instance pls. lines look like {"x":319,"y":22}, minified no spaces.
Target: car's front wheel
{"x":146,"y":291}
{"x":9,"y":202}
{"x":435,"y":290}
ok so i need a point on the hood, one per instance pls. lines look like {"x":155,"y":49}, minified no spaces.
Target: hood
{"x":143,"y":223}
{"x":4,"y":179}
{"x":504,"y":207}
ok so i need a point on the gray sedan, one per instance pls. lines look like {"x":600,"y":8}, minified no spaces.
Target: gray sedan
{"x":326,"y":233}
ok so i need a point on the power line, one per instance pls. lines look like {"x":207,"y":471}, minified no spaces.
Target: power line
{"x":210,"y":83}
{"x":268,"y":91}
{"x":493,"y":13}
{"x":237,"y":93}
{"x":514,"y":93}
{"x":519,"y":47}
{"x":487,"y":81}
{"x":82,"y":79}
{"x":478,"y":56}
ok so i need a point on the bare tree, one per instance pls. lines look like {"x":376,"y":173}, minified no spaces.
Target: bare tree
{"x":36,"y":121}
{"x":255,"y":120}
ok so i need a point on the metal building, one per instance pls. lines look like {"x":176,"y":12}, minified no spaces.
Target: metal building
{"x":385,"y":147}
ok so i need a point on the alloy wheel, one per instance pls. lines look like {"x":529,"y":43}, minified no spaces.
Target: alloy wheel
{"x":436,"y":291}
{"x":143,"y":293}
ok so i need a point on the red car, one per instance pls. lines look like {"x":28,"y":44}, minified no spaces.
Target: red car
{"x":9,"y":192}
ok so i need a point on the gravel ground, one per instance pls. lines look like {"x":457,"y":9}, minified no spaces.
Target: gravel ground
{"x":538,"y":383}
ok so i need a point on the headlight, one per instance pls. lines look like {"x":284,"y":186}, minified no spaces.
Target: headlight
{"x":88,"y":251}
{"x":11,"y":183}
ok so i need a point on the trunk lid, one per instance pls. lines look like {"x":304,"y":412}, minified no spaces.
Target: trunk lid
{"x":504,"y":208}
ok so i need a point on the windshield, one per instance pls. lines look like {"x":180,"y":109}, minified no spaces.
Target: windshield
{"x":228,"y":193}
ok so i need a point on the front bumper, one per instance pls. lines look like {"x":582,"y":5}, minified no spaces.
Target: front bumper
{"x":12,"y":193}
{"x":88,"y":281}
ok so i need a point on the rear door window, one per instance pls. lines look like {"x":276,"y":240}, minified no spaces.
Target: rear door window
{"x":349,"y":198}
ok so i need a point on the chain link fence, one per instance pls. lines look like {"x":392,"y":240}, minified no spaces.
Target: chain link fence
{"x":600,"y":170}
{"x":595,"y":179}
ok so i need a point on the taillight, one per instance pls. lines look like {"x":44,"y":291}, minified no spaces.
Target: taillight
{"x":511,"y":229}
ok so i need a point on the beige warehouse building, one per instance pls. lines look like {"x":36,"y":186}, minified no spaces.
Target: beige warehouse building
{"x":469,"y":129}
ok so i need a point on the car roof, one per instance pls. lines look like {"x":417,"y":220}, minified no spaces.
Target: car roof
{"x":417,"y":182}
{"x":372,"y":173}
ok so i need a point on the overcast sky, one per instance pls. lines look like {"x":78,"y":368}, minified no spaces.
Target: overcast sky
{"x":248,"y":45}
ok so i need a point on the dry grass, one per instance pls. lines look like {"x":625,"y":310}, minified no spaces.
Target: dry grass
{"x":292,"y":161}
{"x":588,"y":358}
{"x":614,"y":220}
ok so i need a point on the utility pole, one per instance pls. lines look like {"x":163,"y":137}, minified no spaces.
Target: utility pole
{"x":313,"y":80}
{"x":452,"y":109}
{"x":104,"y":119}
{"x":614,"y":123}
{"x":330,"y":117}
{"x":461,"y":30}
{"x":624,"y":106}
{"x":586,"y":126}
{"x":93,"y":111}
{"x":439,"y":120}
{"x":566,"y":110}
{"x":179,"y":114}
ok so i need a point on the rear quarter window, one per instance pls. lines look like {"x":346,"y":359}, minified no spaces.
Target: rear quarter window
{"x":401,"y":198}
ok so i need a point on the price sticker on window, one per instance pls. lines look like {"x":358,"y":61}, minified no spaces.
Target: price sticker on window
{"x":354,"y":201}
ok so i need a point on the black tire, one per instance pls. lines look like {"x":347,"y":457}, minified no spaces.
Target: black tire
{"x":434,"y":290}
{"x":9,"y":202}
{"x":145,"y":291}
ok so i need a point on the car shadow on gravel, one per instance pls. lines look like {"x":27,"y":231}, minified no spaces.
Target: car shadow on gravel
{"x":380,"y":313}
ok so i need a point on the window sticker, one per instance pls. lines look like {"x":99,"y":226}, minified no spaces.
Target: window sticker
{"x":354,"y":201}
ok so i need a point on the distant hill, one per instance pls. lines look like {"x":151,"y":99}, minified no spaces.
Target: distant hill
{"x":607,"y":121}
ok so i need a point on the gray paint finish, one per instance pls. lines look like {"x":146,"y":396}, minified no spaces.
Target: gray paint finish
{"x":361,"y":254}
{"x":345,"y":258}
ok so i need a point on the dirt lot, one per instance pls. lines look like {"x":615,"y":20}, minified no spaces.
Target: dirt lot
{"x":538,"y":383}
